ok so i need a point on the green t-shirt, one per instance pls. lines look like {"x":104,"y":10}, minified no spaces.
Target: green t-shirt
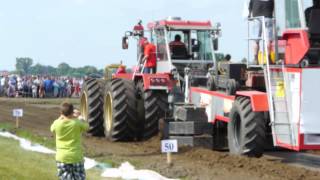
{"x":68,"y":139}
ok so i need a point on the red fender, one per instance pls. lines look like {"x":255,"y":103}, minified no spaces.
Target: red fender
{"x":259,"y":100}
{"x":297,"y":45}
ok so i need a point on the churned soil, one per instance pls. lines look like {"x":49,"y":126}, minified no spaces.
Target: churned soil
{"x":189,"y":163}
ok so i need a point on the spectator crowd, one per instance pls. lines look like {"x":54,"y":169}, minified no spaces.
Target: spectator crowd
{"x":40,"y":86}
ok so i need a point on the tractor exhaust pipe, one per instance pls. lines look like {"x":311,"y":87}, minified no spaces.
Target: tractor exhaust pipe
{"x":187,"y":85}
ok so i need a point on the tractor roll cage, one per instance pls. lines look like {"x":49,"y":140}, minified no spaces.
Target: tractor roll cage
{"x":200,"y":38}
{"x":179,"y":64}
{"x":181,"y":25}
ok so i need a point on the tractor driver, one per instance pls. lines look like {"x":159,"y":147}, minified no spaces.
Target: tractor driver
{"x":178,"y":48}
{"x":149,"y":59}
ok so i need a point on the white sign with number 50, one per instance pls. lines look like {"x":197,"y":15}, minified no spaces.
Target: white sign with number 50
{"x":17,"y":113}
{"x":169,"y":146}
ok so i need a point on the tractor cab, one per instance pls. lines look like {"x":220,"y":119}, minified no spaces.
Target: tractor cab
{"x":182,"y":44}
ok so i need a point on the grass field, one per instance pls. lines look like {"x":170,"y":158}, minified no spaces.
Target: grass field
{"x":49,"y":143}
{"x":19,"y":164}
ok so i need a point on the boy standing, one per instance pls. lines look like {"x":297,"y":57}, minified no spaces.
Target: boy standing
{"x":68,"y":130}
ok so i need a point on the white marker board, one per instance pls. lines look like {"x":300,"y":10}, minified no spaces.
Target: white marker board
{"x":169,"y":146}
{"x":17,"y":112}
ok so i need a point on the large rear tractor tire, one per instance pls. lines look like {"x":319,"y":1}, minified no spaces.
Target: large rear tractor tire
{"x":120,"y":111}
{"x":246,"y":129}
{"x":91,"y":104}
{"x":152,"y":106}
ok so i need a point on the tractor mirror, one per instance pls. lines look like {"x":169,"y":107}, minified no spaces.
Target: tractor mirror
{"x":194,"y":42}
{"x":125,"y":44}
{"x":215,"y":43}
{"x":195,"y":45}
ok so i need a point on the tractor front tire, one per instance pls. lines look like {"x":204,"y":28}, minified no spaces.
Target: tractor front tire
{"x":91,"y":106}
{"x":120,"y":111}
{"x":246,"y":129}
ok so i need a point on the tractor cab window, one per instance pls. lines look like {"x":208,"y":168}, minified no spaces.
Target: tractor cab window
{"x":201,"y":45}
{"x":159,"y":38}
{"x":204,"y":44}
{"x":192,"y":44}
{"x":183,"y":35}
{"x":291,"y":14}
{"x":179,"y":44}
{"x":288,"y":16}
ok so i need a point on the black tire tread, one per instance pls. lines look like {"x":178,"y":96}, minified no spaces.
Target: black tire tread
{"x":95,"y":104}
{"x":125,"y":122}
{"x":253,"y":133}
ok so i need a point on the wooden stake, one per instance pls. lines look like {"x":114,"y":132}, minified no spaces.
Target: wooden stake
{"x":169,"y":158}
{"x":17,"y":122}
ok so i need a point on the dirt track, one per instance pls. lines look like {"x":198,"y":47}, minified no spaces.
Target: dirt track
{"x":194,"y":163}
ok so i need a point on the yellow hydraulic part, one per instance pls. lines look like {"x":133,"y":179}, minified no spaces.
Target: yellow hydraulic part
{"x":280,"y":89}
{"x":113,"y":66}
{"x":263,"y":59}
{"x":109,"y":70}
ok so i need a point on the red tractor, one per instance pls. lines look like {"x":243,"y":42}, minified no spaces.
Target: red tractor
{"x":246,"y":109}
{"x":129,"y":106}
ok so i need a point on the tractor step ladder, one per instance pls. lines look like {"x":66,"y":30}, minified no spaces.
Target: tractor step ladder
{"x":141,"y":61}
{"x":282,"y":126}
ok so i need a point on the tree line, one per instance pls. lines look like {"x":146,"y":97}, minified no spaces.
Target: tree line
{"x":25,"y":66}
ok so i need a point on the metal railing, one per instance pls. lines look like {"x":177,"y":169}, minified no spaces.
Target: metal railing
{"x":265,"y":56}
{"x":138,"y":67}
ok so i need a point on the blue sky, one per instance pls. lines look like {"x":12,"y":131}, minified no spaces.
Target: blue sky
{"x":88,"y":32}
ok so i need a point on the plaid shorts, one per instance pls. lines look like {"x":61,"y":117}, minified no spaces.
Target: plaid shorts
{"x":71,"y":171}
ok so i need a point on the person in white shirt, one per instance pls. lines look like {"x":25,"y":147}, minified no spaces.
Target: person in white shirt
{"x":34,"y":91}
